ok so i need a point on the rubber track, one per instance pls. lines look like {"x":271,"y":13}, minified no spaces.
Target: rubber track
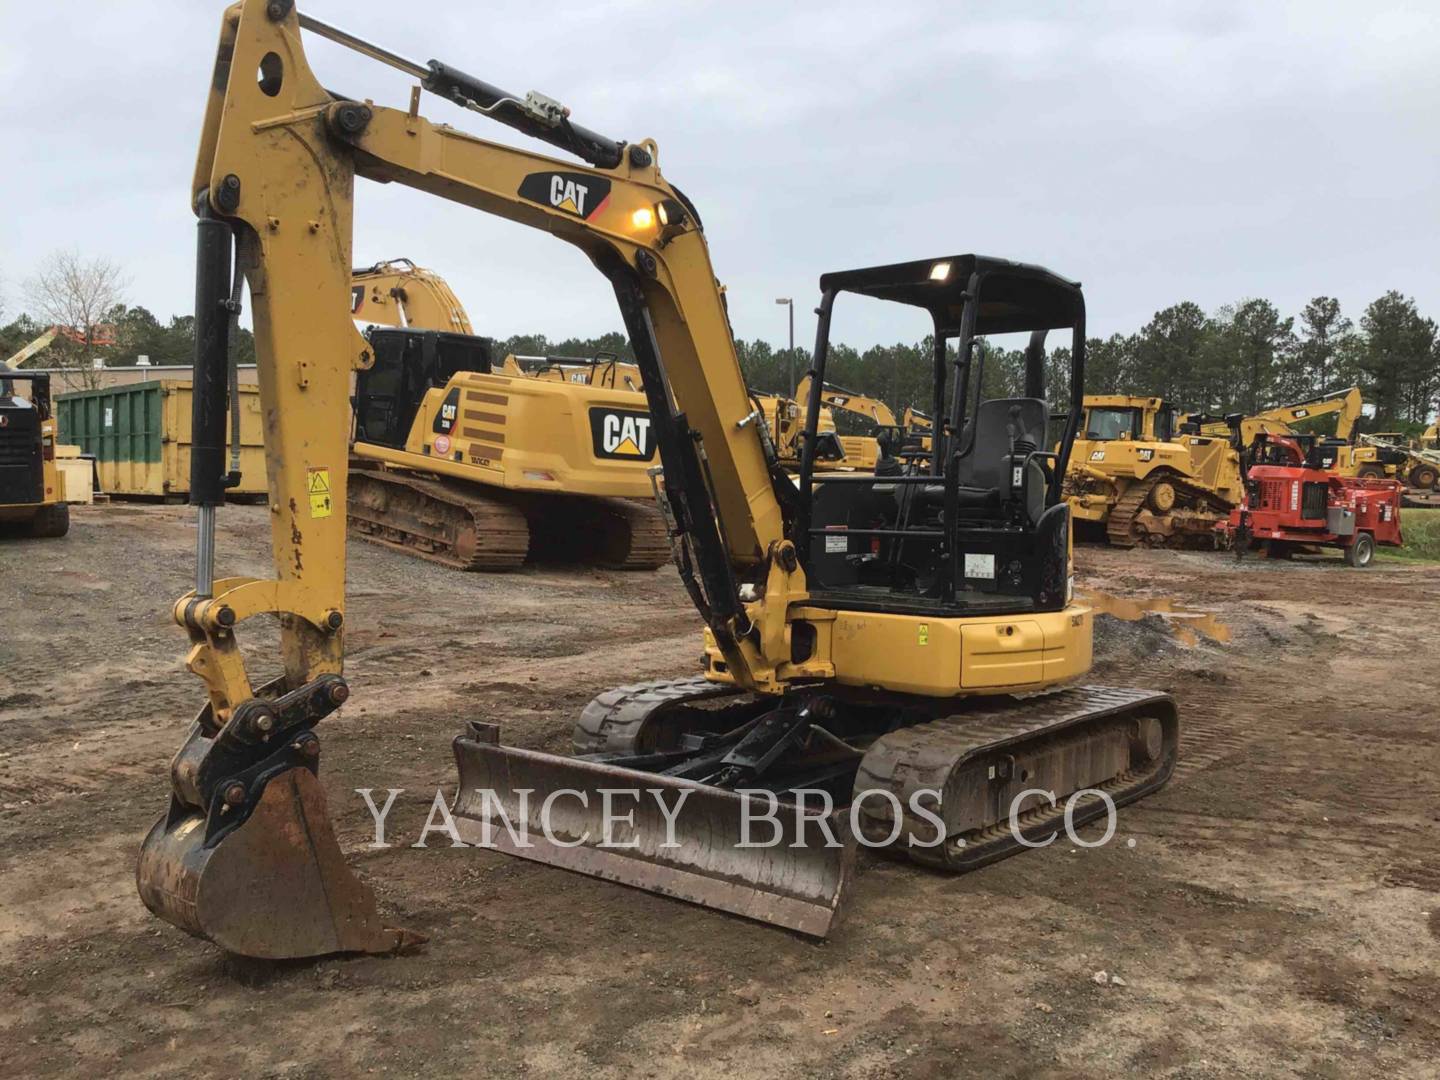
{"x":1122,"y":515}
{"x":612,"y":722}
{"x":927,"y":756}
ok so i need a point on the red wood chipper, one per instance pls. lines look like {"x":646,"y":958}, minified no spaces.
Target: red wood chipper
{"x":1293,"y":499}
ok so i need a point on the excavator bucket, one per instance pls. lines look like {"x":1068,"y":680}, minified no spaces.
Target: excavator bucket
{"x":275,"y":888}
{"x":675,"y":837}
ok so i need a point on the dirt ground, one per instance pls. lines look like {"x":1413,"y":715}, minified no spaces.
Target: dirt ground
{"x":1277,"y":915}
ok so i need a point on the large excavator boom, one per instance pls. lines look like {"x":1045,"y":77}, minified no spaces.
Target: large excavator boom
{"x":399,"y":293}
{"x":39,"y":345}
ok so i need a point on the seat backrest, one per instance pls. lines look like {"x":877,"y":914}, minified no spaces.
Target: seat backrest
{"x":999,"y":422}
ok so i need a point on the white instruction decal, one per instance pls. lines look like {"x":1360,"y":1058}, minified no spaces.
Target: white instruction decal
{"x":836,"y":543}
{"x":980,"y":566}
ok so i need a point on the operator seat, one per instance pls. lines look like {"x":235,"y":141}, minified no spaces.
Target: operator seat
{"x":1000,"y":425}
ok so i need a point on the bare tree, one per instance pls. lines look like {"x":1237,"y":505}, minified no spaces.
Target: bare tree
{"x":76,"y":293}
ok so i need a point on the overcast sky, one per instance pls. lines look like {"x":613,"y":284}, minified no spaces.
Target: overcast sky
{"x":1157,"y":151}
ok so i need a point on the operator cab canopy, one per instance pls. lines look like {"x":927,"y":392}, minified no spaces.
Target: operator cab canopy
{"x":1014,"y":297}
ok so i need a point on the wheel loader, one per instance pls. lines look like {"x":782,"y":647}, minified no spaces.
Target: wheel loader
{"x":889,"y":660}
{"x":32,"y":496}
{"x":475,"y":462}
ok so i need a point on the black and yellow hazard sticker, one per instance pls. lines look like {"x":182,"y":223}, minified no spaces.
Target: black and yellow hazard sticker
{"x":318,"y":483}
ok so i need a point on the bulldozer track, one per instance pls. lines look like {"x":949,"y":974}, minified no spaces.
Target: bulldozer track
{"x":471,"y":527}
{"x":1119,"y":526}
{"x":932,"y":757}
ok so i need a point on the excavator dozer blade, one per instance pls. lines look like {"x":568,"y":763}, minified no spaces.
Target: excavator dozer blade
{"x":553,"y":809}
{"x":276,"y":887}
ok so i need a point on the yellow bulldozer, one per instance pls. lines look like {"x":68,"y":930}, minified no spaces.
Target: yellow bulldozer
{"x":888,"y":660}
{"x":1150,"y":474}
{"x":474,"y":461}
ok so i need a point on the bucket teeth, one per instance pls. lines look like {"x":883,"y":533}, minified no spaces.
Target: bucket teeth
{"x":673,"y":837}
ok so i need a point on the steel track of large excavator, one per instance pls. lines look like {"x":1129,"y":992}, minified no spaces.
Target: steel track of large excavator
{"x":475,"y":528}
{"x":1193,"y":516}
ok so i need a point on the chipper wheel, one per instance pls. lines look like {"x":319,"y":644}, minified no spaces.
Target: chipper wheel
{"x":1362,"y":552}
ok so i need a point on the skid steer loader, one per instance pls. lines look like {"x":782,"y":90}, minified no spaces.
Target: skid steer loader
{"x":889,"y":659}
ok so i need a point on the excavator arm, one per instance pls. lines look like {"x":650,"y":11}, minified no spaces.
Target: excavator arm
{"x":274,"y":195}
{"x":39,"y":345}
{"x":860,"y":404}
{"x":1346,"y":405}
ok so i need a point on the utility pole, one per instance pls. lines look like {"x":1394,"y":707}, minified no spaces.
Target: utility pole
{"x":789,"y":302}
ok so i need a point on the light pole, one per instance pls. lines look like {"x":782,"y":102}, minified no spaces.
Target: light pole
{"x":789,"y":302}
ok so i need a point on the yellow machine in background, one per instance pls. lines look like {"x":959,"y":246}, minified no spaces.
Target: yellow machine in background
{"x":784,"y":420}
{"x":468,"y":460}
{"x":32,"y":489}
{"x":912,"y":635}
{"x":861,"y":451}
{"x":1153,"y":475}
{"x":1131,"y":472}
{"x":399,"y":293}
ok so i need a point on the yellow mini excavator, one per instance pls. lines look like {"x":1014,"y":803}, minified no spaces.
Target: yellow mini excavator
{"x":902,"y":650}
{"x":461,"y":458}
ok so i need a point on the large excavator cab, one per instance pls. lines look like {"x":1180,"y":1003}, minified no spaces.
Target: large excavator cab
{"x":408,"y":364}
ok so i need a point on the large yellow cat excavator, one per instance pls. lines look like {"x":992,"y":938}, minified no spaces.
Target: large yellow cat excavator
{"x":901,"y":650}
{"x":463,"y":458}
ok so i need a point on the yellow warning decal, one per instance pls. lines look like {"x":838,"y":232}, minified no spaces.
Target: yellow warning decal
{"x":922,"y":634}
{"x":319,"y":486}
